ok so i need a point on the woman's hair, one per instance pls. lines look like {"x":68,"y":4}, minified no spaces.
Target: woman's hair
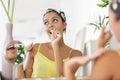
{"x":115,"y":7}
{"x":59,"y":13}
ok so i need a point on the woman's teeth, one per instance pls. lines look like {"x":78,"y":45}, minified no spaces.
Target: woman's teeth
{"x":58,"y":35}
{"x":51,"y":31}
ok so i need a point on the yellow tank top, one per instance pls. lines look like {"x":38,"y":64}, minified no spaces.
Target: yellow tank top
{"x":44,"y":67}
{"x":118,"y":52}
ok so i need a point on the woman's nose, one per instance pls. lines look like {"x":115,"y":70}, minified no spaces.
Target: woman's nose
{"x":50,"y":25}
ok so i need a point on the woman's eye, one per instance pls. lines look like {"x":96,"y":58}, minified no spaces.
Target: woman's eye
{"x":45,"y":23}
{"x":55,"y":20}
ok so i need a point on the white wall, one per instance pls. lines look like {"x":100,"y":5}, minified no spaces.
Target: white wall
{"x":28,"y":18}
{"x":79,"y":13}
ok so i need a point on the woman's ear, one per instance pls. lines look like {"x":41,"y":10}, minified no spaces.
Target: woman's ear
{"x":64,"y":27}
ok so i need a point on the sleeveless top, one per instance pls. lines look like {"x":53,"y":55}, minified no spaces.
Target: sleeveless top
{"x":118,"y":52}
{"x":44,"y":67}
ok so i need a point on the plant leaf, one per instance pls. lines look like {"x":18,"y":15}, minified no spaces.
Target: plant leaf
{"x":107,"y":22}
{"x":101,"y":5}
{"x":107,"y":17}
{"x":103,"y":20}
{"x":8,"y":6}
{"x":95,"y":29}
{"x":4,"y":7}
{"x":105,"y":1}
{"x":93,"y":24}
{"x":13,"y":5}
{"x":100,"y":24}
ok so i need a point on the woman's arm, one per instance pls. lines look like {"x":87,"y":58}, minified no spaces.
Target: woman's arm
{"x":28,"y":67}
{"x":58,"y":61}
{"x":20,"y":71}
{"x":56,"y":36}
{"x":102,"y":67}
{"x":103,"y":38}
{"x":72,"y":65}
{"x":30,"y":60}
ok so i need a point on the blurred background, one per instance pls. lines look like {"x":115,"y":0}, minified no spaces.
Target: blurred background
{"x":28,"y":26}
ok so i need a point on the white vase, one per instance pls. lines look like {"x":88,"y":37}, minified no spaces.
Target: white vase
{"x":7,"y":67}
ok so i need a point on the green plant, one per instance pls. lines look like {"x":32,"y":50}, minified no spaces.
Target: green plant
{"x":103,"y":4}
{"x":9,"y":9}
{"x":102,"y":20}
{"x":21,"y":54}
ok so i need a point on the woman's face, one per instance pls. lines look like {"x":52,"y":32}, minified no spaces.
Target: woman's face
{"x":53,"y":22}
{"x":114,"y":24}
{"x":11,"y":51}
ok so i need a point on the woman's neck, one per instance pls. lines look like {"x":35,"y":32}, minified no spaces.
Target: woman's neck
{"x":61,"y":43}
{"x":11,"y":60}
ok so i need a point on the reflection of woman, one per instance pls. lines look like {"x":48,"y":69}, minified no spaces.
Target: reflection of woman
{"x":11,"y":51}
{"x":107,"y":66}
{"x":46,"y":59}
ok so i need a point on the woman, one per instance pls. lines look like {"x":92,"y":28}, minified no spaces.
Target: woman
{"x":11,"y":51}
{"x":72,"y":65}
{"x":107,"y":65}
{"x":47,"y":59}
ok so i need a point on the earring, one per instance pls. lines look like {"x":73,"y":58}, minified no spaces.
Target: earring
{"x":114,"y":5}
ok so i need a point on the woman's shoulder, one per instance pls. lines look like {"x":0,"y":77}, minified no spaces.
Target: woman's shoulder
{"x":33,"y":46}
{"x":40,"y":46}
{"x":36,"y":45}
{"x":108,"y":59}
{"x":109,"y":62}
{"x":108,"y":54}
{"x":75,"y":53}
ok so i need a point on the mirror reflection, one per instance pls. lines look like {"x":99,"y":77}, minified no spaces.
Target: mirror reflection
{"x":15,"y":52}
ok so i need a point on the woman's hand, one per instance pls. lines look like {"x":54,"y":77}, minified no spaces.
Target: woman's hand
{"x":29,"y":47}
{"x":72,"y":65}
{"x":55,"y":36}
{"x":20,"y":71}
{"x":103,"y":38}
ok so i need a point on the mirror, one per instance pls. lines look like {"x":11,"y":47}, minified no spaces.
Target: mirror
{"x":76,"y":18}
{"x":15,"y":52}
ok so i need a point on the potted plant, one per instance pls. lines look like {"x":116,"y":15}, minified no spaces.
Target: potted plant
{"x":101,"y":20}
{"x":9,"y":9}
{"x":21,"y":53}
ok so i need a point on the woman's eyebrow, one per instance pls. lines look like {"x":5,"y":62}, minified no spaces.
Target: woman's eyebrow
{"x":52,"y":18}
{"x":55,"y":17}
